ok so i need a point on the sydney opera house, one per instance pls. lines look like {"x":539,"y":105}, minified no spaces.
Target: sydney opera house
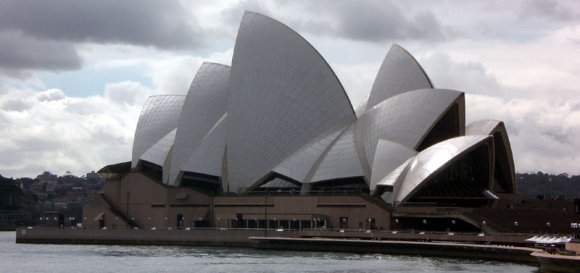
{"x":273,"y":141}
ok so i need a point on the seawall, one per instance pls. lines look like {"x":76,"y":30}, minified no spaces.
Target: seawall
{"x":435,"y":249}
{"x":197,"y":237}
{"x":437,"y":245}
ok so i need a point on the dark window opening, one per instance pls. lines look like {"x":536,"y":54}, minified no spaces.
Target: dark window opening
{"x":447,"y":127}
{"x":205,"y":183}
{"x":460,"y":185}
{"x":154,"y":171}
{"x":342,"y":185}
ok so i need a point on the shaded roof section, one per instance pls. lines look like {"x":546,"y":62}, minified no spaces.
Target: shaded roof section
{"x":205,"y":104}
{"x":504,"y":161}
{"x":283,"y":95}
{"x":157,"y":154}
{"x":388,"y":156}
{"x":405,"y":119}
{"x":387,"y":183}
{"x":208,"y":156}
{"x":158,"y":117}
{"x":435,"y":159}
{"x":399,"y":73}
{"x":340,"y":160}
{"x":299,"y":164}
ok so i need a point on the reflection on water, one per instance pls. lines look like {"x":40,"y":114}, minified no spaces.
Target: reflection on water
{"x":87,"y":258}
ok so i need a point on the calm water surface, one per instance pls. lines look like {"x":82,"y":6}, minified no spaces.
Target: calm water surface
{"x":87,"y":258}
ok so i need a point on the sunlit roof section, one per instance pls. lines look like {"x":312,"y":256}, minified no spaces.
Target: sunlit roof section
{"x":283,"y":95}
{"x":435,"y":159}
{"x":405,"y":119}
{"x":388,"y":156}
{"x":205,"y":104}
{"x":399,"y":73}
{"x":208,"y":156}
{"x":340,"y":161}
{"x":157,"y":154}
{"x":158,"y":118}
{"x":299,"y":164}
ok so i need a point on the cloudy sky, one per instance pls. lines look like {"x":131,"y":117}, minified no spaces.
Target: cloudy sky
{"x":74,"y":74}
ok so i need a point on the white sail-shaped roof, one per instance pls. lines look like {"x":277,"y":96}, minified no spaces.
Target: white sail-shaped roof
{"x":279,"y":118}
{"x":399,"y":73}
{"x":157,"y":154}
{"x":207,"y":158}
{"x":340,"y":161}
{"x":299,"y":164}
{"x":283,"y":95}
{"x":406,"y":119}
{"x":388,"y":156}
{"x":158,"y":118}
{"x":433,"y":160}
{"x":503,"y":151}
{"x":205,"y":104}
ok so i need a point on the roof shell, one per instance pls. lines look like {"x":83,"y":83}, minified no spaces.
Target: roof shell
{"x":299,"y":164}
{"x":205,"y":104}
{"x":433,"y":160}
{"x":405,"y":119}
{"x":158,"y":117}
{"x":157,"y":154}
{"x":283,"y":95}
{"x":388,"y":156}
{"x":399,"y":73}
{"x":341,"y":160}
{"x":503,"y":155}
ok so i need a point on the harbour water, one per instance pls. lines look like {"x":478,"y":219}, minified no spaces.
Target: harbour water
{"x":89,"y":258}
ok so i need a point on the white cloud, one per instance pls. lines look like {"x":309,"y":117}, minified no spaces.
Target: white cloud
{"x":515,"y":60}
{"x":542,"y":133}
{"x":127,"y":93}
{"x":59,"y":133}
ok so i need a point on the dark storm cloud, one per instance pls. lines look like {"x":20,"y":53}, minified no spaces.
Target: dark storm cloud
{"x":380,"y":20}
{"x":369,"y":21}
{"x":162,"y":24}
{"x":19,"y":52}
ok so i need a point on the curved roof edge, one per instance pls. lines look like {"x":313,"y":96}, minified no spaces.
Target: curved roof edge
{"x":158,"y":117}
{"x":395,"y":177}
{"x":205,"y":104}
{"x":418,"y":64}
{"x":505,"y":161}
{"x":301,"y":163}
{"x":386,"y":120}
{"x":436,"y":158}
{"x":399,"y":73}
{"x":388,"y":156}
{"x":315,"y":50}
{"x":293,"y":94}
{"x":339,"y":160}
